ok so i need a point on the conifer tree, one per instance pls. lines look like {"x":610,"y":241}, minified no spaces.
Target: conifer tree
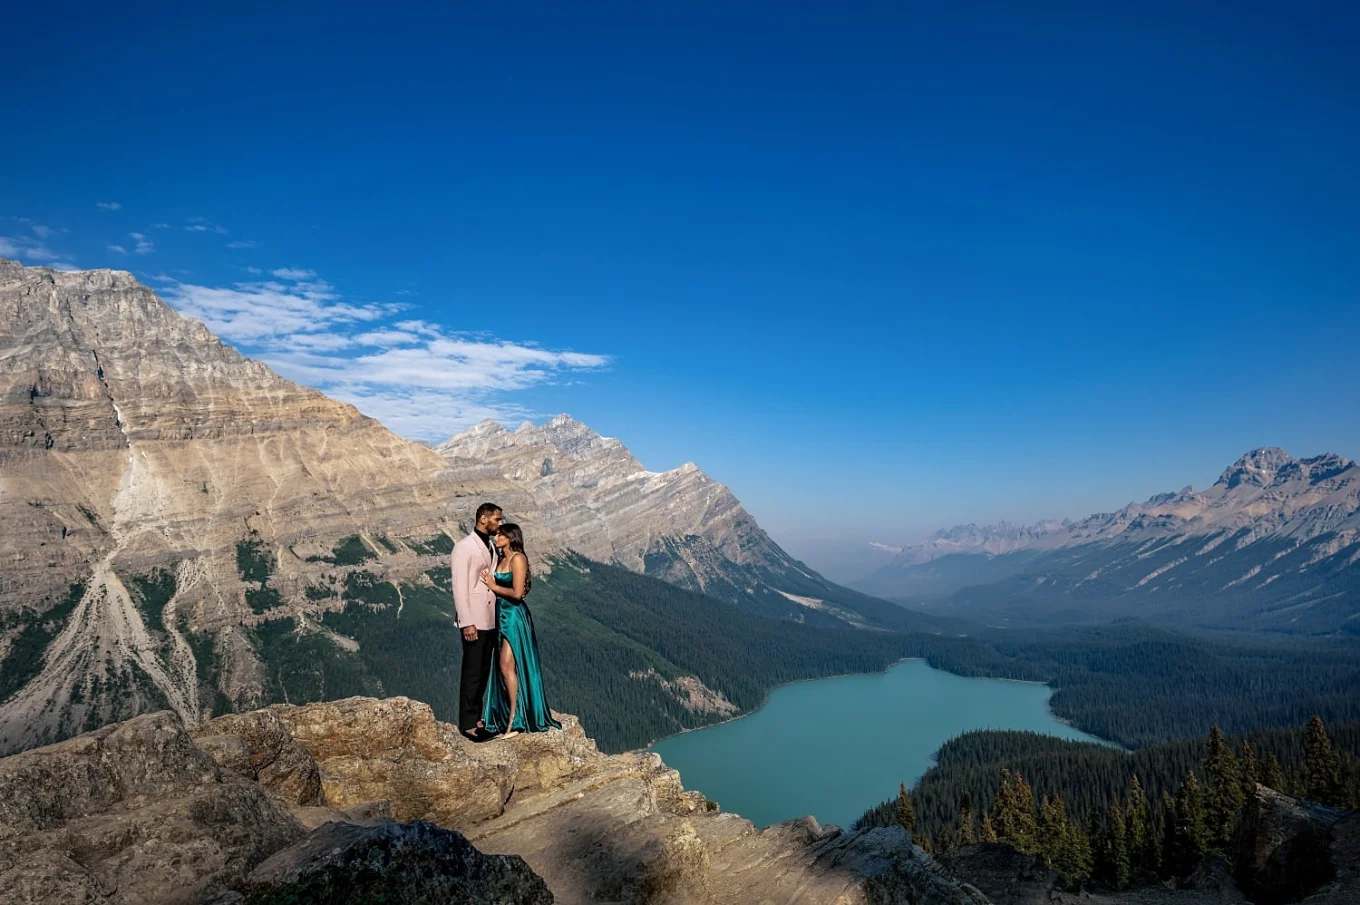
{"x":1251,"y":769}
{"x":1223,"y":793}
{"x":926,"y":845}
{"x":1075,"y":861}
{"x":1026,"y":828}
{"x":1153,"y":862}
{"x":988,"y":830}
{"x":1052,"y":826}
{"x":1142,"y":851}
{"x":967,"y":820}
{"x":1321,"y":767}
{"x":1117,"y":868}
{"x":1063,"y":844}
{"x":906,"y":815}
{"x":1191,"y":838}
{"x":1169,"y":825}
{"x":1005,"y":814}
{"x":1272,"y":776}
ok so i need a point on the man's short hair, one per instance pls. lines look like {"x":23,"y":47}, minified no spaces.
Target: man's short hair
{"x":486,"y":509}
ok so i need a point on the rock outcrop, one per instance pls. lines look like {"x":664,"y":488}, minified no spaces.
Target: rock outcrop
{"x":132,"y":813}
{"x":402,"y":864}
{"x":1288,"y":848}
{"x":146,"y":812}
{"x":617,"y":828}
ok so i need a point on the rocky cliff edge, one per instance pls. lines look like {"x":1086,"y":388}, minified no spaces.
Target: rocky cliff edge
{"x":338,"y":801}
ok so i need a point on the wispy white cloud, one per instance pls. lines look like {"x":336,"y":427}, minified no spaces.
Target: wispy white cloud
{"x":418,"y":378}
{"x":34,"y":251}
{"x":255,"y":270}
{"x":204,"y":225}
{"x":161,"y":226}
{"x":116,"y":249}
{"x":43,"y":232}
{"x":108,"y":205}
{"x":243,"y":243}
{"x":144,"y":245}
{"x":267,"y":311}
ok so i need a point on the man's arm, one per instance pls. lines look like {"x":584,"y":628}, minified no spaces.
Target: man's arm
{"x":462,"y":587}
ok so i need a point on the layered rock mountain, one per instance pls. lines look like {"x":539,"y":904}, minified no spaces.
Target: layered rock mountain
{"x":680,"y":525}
{"x":344,"y":801}
{"x":161,"y":494}
{"x":1274,"y":543}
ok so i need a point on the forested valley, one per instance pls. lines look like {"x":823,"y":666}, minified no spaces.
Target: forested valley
{"x":1094,"y":812}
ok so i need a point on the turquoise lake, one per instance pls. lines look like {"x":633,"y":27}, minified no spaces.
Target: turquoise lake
{"x":835,"y":747}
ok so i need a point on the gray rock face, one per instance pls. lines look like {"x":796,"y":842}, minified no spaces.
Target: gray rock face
{"x":257,"y":746}
{"x":600,"y":501}
{"x":130,"y":814}
{"x":404,"y":864}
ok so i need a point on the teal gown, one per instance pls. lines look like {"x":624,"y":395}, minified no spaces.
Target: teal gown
{"x":516,"y":626}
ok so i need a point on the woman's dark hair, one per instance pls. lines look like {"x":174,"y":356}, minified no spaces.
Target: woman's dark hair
{"x":511,"y":532}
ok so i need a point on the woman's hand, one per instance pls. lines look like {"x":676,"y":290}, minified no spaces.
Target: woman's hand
{"x":488,"y":580}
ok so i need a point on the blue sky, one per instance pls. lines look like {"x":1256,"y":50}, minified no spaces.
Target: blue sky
{"x":879,"y":267}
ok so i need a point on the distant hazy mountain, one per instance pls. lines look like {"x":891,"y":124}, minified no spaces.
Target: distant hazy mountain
{"x":680,"y":526}
{"x":1273,"y":544}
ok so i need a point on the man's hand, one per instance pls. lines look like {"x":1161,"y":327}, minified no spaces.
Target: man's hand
{"x":469,"y":633}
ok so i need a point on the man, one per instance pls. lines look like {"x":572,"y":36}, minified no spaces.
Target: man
{"x":476,"y":608}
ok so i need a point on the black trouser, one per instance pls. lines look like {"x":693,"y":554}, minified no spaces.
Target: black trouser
{"x":478,"y":658}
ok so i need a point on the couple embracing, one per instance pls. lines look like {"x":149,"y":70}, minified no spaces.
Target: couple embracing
{"x":501,"y":689}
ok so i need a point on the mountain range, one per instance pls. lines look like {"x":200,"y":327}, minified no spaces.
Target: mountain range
{"x":180,"y":522}
{"x":680,"y":526}
{"x":1273,"y":545}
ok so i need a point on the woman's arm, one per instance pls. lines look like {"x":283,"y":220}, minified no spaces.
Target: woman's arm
{"x":519,"y":577}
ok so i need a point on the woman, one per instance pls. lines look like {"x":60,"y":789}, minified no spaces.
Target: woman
{"x":515,"y":701}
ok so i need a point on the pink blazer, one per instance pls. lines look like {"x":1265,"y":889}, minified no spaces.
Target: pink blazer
{"x":474,"y":602}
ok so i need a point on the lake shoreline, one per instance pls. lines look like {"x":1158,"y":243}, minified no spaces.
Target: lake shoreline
{"x":773,"y":768}
{"x":877,"y":672}
{"x":741,"y":716}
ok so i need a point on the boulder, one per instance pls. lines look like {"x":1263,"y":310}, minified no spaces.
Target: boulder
{"x":1007,"y":876}
{"x":1344,"y":852}
{"x":393,"y":750}
{"x":1281,"y":850}
{"x":402,"y":864}
{"x":257,"y":746}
